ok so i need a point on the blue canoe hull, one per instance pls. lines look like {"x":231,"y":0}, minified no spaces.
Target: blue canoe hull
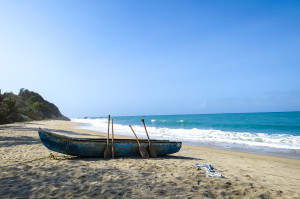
{"x":96,"y":147}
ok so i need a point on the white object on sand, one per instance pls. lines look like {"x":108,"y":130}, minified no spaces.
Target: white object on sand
{"x":210,"y":170}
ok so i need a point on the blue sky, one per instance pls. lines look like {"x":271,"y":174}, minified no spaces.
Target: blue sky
{"x":93,"y":58}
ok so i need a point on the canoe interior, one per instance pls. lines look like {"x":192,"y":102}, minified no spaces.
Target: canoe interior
{"x":85,"y":147}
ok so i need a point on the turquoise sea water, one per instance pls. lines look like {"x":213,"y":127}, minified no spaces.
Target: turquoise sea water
{"x":269,"y":133}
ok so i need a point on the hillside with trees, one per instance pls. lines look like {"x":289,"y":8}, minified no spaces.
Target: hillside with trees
{"x":26,"y":106}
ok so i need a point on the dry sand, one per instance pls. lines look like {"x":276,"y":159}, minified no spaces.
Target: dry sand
{"x":27,"y":171}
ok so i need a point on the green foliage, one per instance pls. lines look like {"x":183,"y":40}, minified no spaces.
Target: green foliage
{"x":27,"y":105}
{"x":10,"y":104}
{"x":24,"y":93}
{"x":2,"y":112}
{"x":33,"y":99}
{"x":41,"y":107}
{"x":9,"y":111}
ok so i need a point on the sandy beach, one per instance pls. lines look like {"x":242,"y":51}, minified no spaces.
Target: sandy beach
{"x":28,"y":171}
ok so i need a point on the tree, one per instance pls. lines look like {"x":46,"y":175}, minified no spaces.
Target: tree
{"x":26,"y":106}
{"x":10,"y":112}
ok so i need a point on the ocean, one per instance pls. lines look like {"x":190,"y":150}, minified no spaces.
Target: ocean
{"x":263,"y":133}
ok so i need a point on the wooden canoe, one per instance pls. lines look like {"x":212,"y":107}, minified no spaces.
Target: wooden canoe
{"x":85,"y":147}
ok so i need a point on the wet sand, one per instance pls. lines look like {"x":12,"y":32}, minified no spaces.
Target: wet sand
{"x":28,"y":171}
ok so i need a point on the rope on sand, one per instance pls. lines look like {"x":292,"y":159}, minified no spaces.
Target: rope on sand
{"x":55,"y":157}
{"x":210,"y":170}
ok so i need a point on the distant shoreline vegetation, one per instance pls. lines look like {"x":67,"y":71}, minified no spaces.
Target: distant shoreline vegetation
{"x":26,"y":106}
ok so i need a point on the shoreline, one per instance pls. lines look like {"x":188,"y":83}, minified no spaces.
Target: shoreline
{"x":269,"y":151}
{"x":28,"y":171}
{"x":259,"y":150}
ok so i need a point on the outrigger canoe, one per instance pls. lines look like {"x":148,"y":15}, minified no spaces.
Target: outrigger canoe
{"x":86,"y":147}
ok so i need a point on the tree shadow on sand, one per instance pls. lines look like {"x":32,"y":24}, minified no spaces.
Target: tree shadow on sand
{"x":47,"y":181}
{"x":14,"y":141}
{"x":42,"y":179}
{"x":16,"y":128}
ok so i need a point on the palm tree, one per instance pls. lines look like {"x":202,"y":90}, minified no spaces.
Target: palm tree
{"x":10,"y":109}
{"x":0,"y":97}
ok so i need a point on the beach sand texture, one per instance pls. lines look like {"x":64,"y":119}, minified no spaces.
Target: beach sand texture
{"x":28,"y":171}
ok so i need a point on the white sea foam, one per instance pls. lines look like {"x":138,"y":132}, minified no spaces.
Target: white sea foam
{"x":281,"y":141}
